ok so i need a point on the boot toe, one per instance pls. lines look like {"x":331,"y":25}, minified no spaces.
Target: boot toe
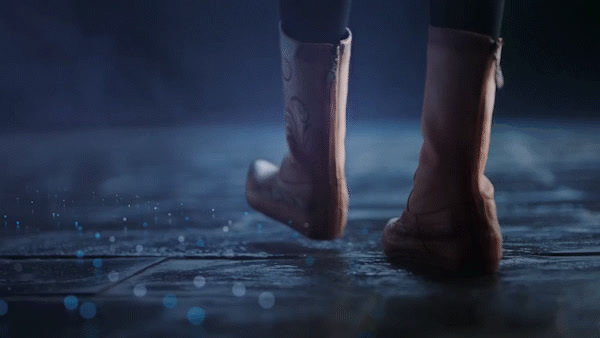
{"x":391,"y":222}
{"x":403,"y":246}
{"x":259,"y":181}
{"x":261,"y":171}
{"x":405,"y":240}
{"x":397,"y":240}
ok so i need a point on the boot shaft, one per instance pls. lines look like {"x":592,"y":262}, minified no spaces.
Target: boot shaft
{"x":462,"y":75}
{"x":315,"y":83}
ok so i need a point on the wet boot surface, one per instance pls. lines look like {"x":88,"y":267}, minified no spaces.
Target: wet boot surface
{"x":147,"y":232}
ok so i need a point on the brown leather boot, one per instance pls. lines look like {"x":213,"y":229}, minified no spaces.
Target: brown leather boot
{"x":309,"y":192}
{"x":450,"y":220}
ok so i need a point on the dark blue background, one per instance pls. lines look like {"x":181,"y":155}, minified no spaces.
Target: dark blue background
{"x":81,"y":63}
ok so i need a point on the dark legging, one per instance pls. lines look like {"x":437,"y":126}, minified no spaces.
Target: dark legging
{"x":481,"y":16}
{"x":326,"y":20}
{"x":315,"y":20}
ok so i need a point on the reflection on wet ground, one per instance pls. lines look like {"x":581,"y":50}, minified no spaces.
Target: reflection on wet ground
{"x":146,"y":232}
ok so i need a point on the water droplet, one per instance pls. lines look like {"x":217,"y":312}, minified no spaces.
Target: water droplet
{"x":238,"y":289}
{"x":124,"y":219}
{"x":97,"y":262}
{"x":170,"y":301}
{"x":113,"y":276}
{"x":228,"y":253}
{"x":18,"y":267}
{"x":140,"y":290}
{"x":169,"y":214}
{"x":225,"y":228}
{"x":71,"y":302}
{"x":87,"y":310}
{"x":199,"y":281}
{"x":196,"y":315}
{"x":181,"y":239}
{"x":112,"y":239}
{"x":266,"y":300}
{"x":229,"y":222}
{"x":139,"y":248}
{"x":79,"y":254}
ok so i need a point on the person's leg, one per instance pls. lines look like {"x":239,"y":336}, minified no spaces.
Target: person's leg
{"x":308,"y":192}
{"x":315,"y":20}
{"x":480,"y":16}
{"x":450,"y":220}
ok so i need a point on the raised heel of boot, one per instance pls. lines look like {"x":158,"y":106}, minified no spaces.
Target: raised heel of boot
{"x":329,"y":215}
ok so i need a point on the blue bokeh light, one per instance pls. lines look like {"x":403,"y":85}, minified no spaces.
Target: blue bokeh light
{"x":97,"y":263}
{"x":87,"y":310}
{"x":3,"y":307}
{"x":71,"y":302}
{"x":79,"y":254}
{"x":170,"y":301}
{"x":196,"y":315}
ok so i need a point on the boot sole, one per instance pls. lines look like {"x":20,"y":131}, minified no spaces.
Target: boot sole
{"x":453,"y":256}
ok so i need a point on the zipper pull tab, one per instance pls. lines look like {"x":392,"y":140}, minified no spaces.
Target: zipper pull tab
{"x":335,"y":60}
{"x":497,"y":54}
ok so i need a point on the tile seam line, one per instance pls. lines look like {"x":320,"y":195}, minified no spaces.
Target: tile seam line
{"x":210,"y":257}
{"x":136,"y":273}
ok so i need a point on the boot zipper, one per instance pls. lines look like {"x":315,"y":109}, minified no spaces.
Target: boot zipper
{"x":334,"y":66}
{"x":332,"y":83}
{"x":497,"y":49}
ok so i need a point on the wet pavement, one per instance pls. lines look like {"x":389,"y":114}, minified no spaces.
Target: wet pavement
{"x":146,"y":232}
